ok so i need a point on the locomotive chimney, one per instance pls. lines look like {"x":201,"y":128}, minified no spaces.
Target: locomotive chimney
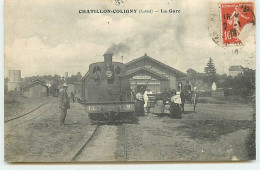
{"x":108,"y":58}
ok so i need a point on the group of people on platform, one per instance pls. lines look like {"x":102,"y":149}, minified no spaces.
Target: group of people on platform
{"x":169,"y":102}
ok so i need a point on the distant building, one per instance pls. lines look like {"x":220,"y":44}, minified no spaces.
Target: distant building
{"x":14,"y":82}
{"x":235,"y":70}
{"x":36,"y":89}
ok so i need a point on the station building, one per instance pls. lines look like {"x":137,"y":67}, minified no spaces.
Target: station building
{"x":36,"y":89}
{"x":147,"y":72}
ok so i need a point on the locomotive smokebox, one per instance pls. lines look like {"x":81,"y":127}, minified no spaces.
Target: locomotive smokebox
{"x":108,"y":58}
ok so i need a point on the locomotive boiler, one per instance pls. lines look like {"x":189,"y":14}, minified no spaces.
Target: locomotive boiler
{"x":106,"y":93}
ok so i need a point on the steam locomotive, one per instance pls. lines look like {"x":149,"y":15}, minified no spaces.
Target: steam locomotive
{"x":106,"y":93}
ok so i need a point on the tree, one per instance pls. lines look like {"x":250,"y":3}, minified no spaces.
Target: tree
{"x":210,"y":70}
{"x":242,"y":85}
{"x":79,"y":76}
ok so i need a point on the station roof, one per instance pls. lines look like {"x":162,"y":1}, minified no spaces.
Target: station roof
{"x":148,"y":58}
{"x":36,"y":82}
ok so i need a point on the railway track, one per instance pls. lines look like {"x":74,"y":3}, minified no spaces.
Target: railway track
{"x":124,"y":143}
{"x":6,"y":121}
{"x":85,"y":144}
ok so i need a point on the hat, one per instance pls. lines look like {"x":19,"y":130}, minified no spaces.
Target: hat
{"x":65,"y":85}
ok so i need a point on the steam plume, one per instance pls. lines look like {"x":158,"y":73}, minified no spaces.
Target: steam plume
{"x":117,"y":48}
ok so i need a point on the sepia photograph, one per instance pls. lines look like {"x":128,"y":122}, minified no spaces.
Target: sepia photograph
{"x":129,"y":81}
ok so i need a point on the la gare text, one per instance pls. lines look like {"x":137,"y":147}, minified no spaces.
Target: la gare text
{"x":160,"y":11}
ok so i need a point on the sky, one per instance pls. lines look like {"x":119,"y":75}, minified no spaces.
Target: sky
{"x":47,"y":37}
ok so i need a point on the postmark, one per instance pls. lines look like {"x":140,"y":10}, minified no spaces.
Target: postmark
{"x":230,"y":23}
{"x":234,"y":17}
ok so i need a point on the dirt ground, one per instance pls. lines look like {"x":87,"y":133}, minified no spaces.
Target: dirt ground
{"x":38,"y":137}
{"x":215,"y":132}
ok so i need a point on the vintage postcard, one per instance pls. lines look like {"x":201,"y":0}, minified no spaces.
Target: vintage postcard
{"x":129,"y":81}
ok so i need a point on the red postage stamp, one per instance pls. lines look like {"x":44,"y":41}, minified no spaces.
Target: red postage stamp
{"x":234,"y":17}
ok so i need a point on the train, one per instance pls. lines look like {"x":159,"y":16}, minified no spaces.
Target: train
{"x":106,"y":92}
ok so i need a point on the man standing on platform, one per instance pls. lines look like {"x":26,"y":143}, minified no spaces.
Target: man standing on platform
{"x":64,"y":103}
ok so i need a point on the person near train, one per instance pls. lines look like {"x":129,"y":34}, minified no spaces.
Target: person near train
{"x":175,"y":105}
{"x":165,"y":96}
{"x":64,"y":103}
{"x":187,"y":90}
{"x":159,"y":105}
{"x":133,"y":95}
{"x":146,"y":99}
{"x":139,"y":104}
{"x":187,"y":87}
{"x":185,"y":94}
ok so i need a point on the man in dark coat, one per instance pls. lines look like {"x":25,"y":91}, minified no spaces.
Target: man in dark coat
{"x":187,"y":87}
{"x":64,"y":104}
{"x":165,"y":96}
{"x":185,"y":94}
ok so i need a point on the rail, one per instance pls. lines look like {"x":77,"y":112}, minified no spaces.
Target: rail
{"x":26,"y":113}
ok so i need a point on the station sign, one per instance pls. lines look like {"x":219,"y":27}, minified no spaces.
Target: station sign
{"x":142,"y":77}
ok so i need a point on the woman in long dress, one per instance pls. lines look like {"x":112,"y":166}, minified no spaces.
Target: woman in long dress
{"x":159,"y":105}
{"x":176,"y":106}
{"x":139,"y":104}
